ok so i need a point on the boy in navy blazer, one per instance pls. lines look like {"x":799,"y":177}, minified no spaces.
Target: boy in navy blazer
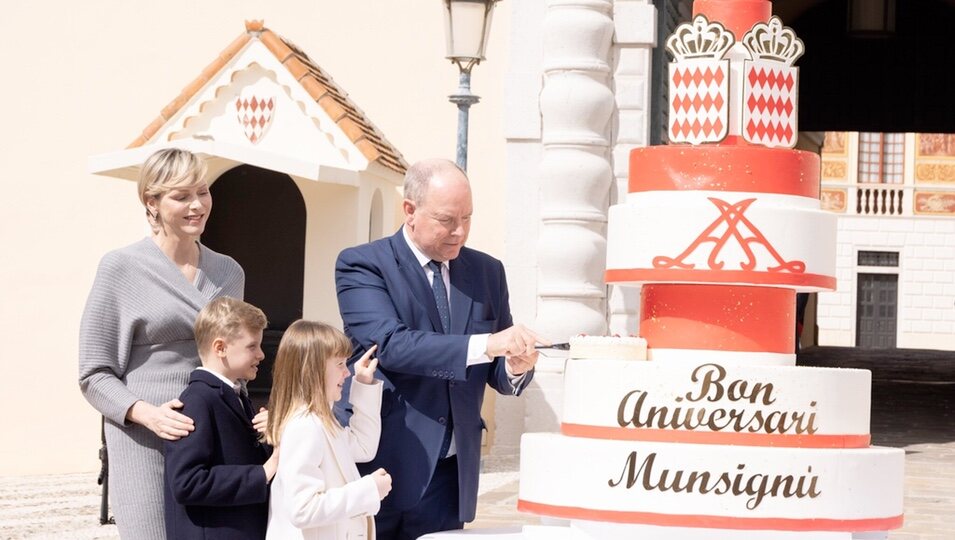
{"x":217,"y":477}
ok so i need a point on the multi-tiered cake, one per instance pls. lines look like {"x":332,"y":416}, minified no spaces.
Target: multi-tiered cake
{"x":719,"y":434}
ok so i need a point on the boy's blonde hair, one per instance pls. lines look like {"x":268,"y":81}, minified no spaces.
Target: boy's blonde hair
{"x":298,"y":378}
{"x":225,"y":318}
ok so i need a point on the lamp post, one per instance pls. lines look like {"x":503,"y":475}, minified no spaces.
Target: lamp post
{"x":467,"y":24}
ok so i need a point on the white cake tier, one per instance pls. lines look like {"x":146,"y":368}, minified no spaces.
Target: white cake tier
{"x":695,"y":357}
{"x":721,"y":237}
{"x":709,"y":403}
{"x":711,"y":486}
{"x":590,"y":530}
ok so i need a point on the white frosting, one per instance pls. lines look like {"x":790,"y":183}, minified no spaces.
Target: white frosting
{"x":594,"y":530}
{"x":807,"y":401}
{"x":695,"y":357}
{"x":621,"y":348}
{"x":665,"y":223}
{"x":592,"y":474}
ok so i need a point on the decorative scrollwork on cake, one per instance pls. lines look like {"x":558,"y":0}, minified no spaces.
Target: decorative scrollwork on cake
{"x":700,"y":39}
{"x":773,"y":41}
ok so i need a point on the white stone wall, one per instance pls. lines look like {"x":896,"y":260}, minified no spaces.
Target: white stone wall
{"x":926,"y":304}
{"x":522,"y":128}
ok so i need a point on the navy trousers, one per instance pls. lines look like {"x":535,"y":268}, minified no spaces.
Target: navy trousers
{"x":437,"y":510}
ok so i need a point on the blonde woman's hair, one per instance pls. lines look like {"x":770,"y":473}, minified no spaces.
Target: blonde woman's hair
{"x":166,"y":170}
{"x":298,"y":378}
{"x":226,"y":317}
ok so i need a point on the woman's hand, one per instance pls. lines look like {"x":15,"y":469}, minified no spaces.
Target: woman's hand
{"x":365,"y":366}
{"x":163,"y":420}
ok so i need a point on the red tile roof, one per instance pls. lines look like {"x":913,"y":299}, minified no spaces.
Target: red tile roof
{"x":333,"y":100}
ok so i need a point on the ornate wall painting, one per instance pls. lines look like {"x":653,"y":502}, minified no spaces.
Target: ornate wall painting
{"x":935,"y":203}
{"x":836,"y":143}
{"x":833,"y":200}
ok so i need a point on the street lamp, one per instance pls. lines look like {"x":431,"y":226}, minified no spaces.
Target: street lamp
{"x":467,"y":24}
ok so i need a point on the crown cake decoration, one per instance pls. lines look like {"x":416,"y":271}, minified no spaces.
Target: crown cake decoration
{"x":773,"y":41}
{"x":700,"y":39}
{"x":760,"y":105}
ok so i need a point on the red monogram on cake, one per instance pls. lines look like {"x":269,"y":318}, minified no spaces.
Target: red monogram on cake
{"x":770,"y":85}
{"x":254,"y":115}
{"x":735,"y":226}
{"x":699,"y":82}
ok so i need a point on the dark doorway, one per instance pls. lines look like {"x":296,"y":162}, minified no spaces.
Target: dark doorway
{"x":896,"y":79}
{"x":876,"y":308}
{"x":258,"y":219}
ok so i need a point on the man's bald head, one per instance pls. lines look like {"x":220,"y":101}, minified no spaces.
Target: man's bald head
{"x":419,"y":175}
{"x":437,"y":208}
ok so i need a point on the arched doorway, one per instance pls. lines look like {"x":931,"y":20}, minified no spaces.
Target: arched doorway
{"x":258,"y":219}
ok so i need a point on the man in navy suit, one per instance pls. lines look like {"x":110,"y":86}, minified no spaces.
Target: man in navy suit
{"x":439,"y":313}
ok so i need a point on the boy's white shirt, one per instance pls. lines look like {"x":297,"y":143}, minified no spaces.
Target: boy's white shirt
{"x":318,"y":492}
{"x":235,"y":386}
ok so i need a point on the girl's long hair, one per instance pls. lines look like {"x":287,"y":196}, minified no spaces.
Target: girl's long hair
{"x":298,"y":378}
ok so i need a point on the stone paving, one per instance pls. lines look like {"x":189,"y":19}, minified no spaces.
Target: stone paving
{"x":913,"y":407}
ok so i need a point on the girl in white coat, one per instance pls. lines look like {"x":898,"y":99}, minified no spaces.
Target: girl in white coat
{"x":317,"y":493}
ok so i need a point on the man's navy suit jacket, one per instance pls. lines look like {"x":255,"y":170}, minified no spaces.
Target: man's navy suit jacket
{"x":385,"y":298}
{"x":215,"y":483}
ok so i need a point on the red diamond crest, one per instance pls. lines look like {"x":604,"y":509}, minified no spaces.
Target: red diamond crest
{"x":254,"y":114}
{"x":769,"y":103}
{"x":699,"y":94}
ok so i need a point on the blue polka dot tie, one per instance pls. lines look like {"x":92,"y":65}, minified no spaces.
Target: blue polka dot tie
{"x":440,"y":296}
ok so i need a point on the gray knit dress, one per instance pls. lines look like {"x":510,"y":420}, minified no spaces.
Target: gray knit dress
{"x":136,"y":343}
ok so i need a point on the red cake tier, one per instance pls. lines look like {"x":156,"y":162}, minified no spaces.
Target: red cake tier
{"x":737,"y":16}
{"x":750,"y":169}
{"x":718,"y":317}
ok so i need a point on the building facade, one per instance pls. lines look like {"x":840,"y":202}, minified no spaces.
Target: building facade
{"x":895,"y":197}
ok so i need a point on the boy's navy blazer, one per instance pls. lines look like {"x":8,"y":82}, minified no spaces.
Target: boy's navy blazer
{"x":385,"y":299}
{"x":215,"y":483}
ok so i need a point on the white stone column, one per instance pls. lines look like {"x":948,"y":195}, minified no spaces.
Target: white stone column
{"x":575,"y":175}
{"x":634,"y":38}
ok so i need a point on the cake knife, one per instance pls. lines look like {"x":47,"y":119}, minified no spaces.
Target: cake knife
{"x":554,"y":350}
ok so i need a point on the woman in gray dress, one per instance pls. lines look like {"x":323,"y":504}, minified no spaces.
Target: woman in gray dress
{"x":136,"y":336}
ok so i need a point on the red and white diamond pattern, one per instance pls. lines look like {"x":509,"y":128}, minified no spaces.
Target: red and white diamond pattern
{"x":699,"y":100}
{"x":769,"y":103}
{"x":254,"y":115}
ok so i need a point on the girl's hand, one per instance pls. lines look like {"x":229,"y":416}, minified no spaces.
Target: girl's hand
{"x":163,"y":420}
{"x":382,"y":482}
{"x":261,"y":420}
{"x":365,"y":366}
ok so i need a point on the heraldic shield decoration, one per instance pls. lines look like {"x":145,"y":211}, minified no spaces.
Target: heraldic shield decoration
{"x":699,"y":82}
{"x":254,"y":114}
{"x":770,"y":84}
